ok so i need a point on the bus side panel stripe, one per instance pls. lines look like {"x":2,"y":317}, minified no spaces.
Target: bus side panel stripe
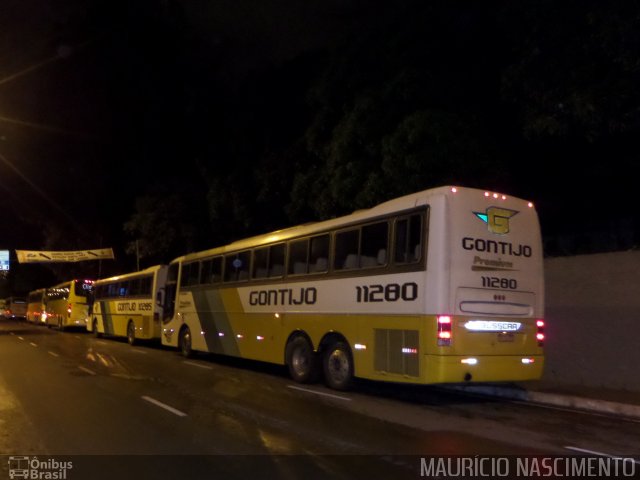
{"x":214,"y":318}
{"x":107,"y":319}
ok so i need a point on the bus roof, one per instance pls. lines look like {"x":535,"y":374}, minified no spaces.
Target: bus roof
{"x":124,"y":276}
{"x":66,"y":283}
{"x":399,"y":204}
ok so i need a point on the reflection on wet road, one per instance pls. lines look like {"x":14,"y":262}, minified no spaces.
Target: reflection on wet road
{"x":70,"y":393}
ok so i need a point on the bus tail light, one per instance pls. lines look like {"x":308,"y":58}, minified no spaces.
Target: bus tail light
{"x":540,"y":332}
{"x":444,"y":330}
{"x":69,"y":309}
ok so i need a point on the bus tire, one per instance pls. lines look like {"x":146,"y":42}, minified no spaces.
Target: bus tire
{"x":60,"y":325}
{"x":96,"y":333}
{"x":337,"y":363}
{"x":131,"y":333}
{"x":184,"y":342}
{"x":302,"y":361}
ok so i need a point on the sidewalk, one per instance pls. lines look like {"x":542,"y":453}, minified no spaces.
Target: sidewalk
{"x":606,"y":401}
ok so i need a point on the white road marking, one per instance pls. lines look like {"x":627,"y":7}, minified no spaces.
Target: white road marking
{"x":90,"y":372}
{"x":158,"y":403}
{"x":319,"y":393}
{"x":137,"y":350}
{"x":600,"y":454}
{"x":33,"y":344}
{"x":53,"y":354}
{"x":193,"y":364}
{"x":21,"y":338}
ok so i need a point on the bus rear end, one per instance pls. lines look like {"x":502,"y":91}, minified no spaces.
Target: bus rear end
{"x":490,"y":326}
{"x":79,"y":300}
{"x":16,"y":307}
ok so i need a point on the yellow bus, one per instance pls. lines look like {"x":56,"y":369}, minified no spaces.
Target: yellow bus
{"x":129,"y":305}
{"x":441,"y":286}
{"x":67,"y":304}
{"x":36,"y":309}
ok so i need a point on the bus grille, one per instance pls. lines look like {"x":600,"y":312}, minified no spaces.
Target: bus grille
{"x":396,"y":351}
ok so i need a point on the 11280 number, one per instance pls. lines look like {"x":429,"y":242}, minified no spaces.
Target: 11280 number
{"x":497,"y":282}
{"x":392,"y":292}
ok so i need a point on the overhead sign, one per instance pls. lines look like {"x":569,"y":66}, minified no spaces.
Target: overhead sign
{"x":35,"y":256}
{"x":4,"y":260}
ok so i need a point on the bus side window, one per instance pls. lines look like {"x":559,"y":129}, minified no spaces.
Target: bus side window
{"x":298,"y":256}
{"x":276,"y":260}
{"x":346,"y":255}
{"x":236,"y":266}
{"x":408,"y":239}
{"x":190,"y":274}
{"x":373,"y":246}
{"x":319,"y":254}
{"x":205,"y":271}
{"x":194,"y":274}
{"x":415,"y":236}
{"x":211,"y":271}
{"x":260,"y":263}
{"x":216,"y":270}
{"x":146,"y":285}
{"x":135,"y":287}
{"x":184,"y":274}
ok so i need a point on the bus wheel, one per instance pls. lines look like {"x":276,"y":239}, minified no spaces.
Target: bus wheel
{"x":60,"y":325}
{"x":131,"y":333}
{"x":338,"y":366}
{"x":185,"y":342}
{"x":302,"y":360}
{"x":96,"y":333}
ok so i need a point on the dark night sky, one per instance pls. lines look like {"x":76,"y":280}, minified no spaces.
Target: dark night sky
{"x":83,"y":85}
{"x":69,"y":85}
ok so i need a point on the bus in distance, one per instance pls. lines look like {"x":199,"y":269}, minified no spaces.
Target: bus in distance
{"x":15,"y":307}
{"x":67,"y":304}
{"x":36,"y":309}
{"x":129,"y":305}
{"x":440,"y":286}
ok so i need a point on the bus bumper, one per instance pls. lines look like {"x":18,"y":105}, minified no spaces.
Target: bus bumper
{"x":482,"y":368}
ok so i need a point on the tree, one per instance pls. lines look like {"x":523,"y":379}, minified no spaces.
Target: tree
{"x":160,"y":228}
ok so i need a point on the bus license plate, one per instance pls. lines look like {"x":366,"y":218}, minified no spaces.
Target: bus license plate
{"x":506,"y":337}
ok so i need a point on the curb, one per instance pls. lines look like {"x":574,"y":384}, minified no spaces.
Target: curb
{"x":555,"y":399}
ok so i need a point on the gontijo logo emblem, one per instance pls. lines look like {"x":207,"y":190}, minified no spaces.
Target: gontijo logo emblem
{"x":497,"y":219}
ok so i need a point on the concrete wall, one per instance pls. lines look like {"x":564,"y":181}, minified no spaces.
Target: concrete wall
{"x":592,"y":318}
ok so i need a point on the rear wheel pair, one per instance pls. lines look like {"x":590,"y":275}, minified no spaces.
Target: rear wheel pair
{"x":304,"y":363}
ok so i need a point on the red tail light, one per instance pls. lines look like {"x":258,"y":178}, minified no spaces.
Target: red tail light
{"x":540,"y":332}
{"x":444,"y":330}
{"x":69,"y":309}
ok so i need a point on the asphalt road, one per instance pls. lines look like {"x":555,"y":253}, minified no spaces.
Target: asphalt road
{"x":146,"y":412}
